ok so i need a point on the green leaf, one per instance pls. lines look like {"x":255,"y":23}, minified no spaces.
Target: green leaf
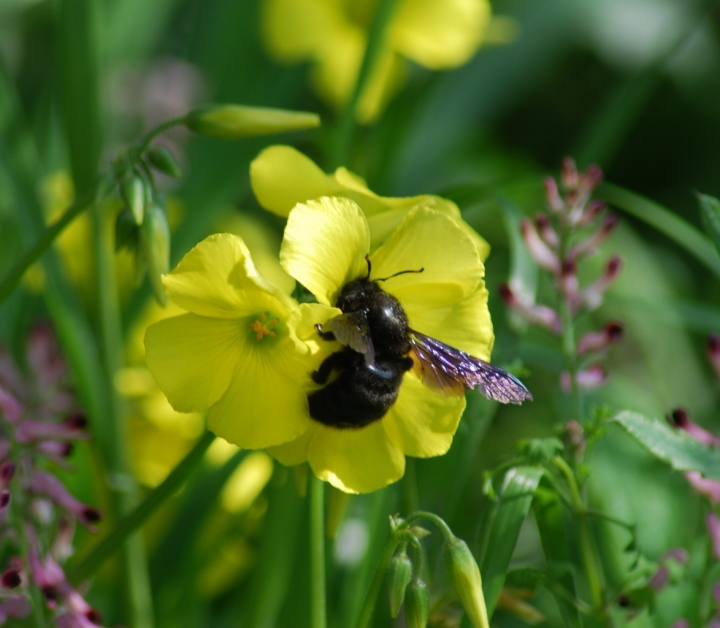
{"x":710,"y":212}
{"x":515,"y":499}
{"x":674,"y":447}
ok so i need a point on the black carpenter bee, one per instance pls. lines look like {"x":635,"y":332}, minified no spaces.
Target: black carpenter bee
{"x":379,"y":348}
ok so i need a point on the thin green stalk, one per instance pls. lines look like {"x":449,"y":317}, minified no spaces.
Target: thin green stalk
{"x":374,"y":591}
{"x":153,"y":133}
{"x":444,"y":527}
{"x":35,"y":252}
{"x":375,"y":42}
{"x":135,"y":519}
{"x":318,"y":609}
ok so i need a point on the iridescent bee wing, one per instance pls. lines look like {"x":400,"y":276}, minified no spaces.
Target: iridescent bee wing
{"x":450,"y":371}
{"x":352,"y":330}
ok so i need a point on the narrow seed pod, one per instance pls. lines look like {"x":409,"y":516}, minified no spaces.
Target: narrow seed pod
{"x":155,"y":244}
{"x":235,"y":121}
{"x":163,"y":161}
{"x":465,"y":577}
{"x":133,"y":193}
{"x":417,"y":604}
{"x":399,"y":573}
{"x":126,"y":230}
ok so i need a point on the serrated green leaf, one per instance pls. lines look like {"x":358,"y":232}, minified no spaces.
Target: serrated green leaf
{"x":515,"y":499}
{"x":676,"y":448}
{"x":710,"y":212}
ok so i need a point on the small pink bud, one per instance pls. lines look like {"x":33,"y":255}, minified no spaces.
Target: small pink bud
{"x":7,"y":472}
{"x":536,"y":314}
{"x":587,"y":379}
{"x":10,"y":408}
{"x":704,"y":486}
{"x":599,"y":341}
{"x":677,"y":554}
{"x":591,"y":177}
{"x":57,"y":452}
{"x":680,"y":418}
{"x":555,"y":202}
{"x":546,"y":231}
{"x":660,"y":578}
{"x":540,"y":251}
{"x":569,"y":175}
{"x":713,"y":351}
{"x":591,"y":211}
{"x":47,"y":484}
{"x":4,"y":499}
{"x":569,"y":280}
{"x":593,"y":243}
{"x":10,"y":579}
{"x":70,"y":429}
{"x":592,"y":296}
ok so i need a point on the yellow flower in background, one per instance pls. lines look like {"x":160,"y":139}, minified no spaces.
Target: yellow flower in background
{"x":324,"y":248}
{"x":438,"y":34}
{"x":233,"y":353}
{"x":281,"y":177}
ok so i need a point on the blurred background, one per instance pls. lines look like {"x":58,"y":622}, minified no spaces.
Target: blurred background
{"x":632,"y":85}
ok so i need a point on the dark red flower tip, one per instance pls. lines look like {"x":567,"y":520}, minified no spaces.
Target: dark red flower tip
{"x":679,"y":417}
{"x":542,"y":220}
{"x":91,"y":515}
{"x":7,"y":472}
{"x":610,"y":222}
{"x":506,"y":293}
{"x":569,"y":267}
{"x":67,"y":449}
{"x":10,"y":579}
{"x":713,"y":344}
{"x":51,"y":592}
{"x":94,"y":616}
{"x":614,"y":331}
{"x":4,"y":499}
{"x":623,"y":601}
{"x":77,"y":421}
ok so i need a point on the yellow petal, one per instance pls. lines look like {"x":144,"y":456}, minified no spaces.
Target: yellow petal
{"x":281,"y":177}
{"x":384,"y":82}
{"x":296,"y":451}
{"x":324,"y":245}
{"x":217,"y":278}
{"x":302,"y":322}
{"x":265,"y":403}
{"x":355,"y":461}
{"x":192,"y":358}
{"x":293,"y":29}
{"x":439,"y":33}
{"x":422,"y":422}
{"x":465,"y":325}
{"x":432,"y":241}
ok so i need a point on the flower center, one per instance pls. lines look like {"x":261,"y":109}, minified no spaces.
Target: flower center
{"x":265,"y":324}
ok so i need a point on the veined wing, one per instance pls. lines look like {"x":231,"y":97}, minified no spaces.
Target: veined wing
{"x":352,"y":330}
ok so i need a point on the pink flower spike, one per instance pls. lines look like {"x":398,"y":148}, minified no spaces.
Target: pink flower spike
{"x":15,"y":607}
{"x":599,"y":341}
{"x":536,"y":314}
{"x":680,"y":418}
{"x":554,"y":201}
{"x":713,"y":526}
{"x":593,"y":243}
{"x":704,"y":486}
{"x":592,"y":296}
{"x":546,"y":231}
{"x":540,"y":251}
{"x":47,"y":484}
{"x":10,"y":408}
{"x":70,"y":429}
{"x":587,"y":379}
{"x":713,"y":351}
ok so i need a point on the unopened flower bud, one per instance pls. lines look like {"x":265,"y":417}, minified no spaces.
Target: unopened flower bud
{"x":417,"y":604}
{"x":589,"y":246}
{"x":465,"y":577}
{"x":533,"y":313}
{"x":591,"y":211}
{"x":592,"y":296}
{"x":713,"y":351}
{"x":587,"y":379}
{"x":160,"y":158}
{"x":4,"y":499}
{"x":540,"y":251}
{"x":10,"y":408}
{"x":127,"y":233}
{"x":569,"y":280}
{"x":546,"y":231}
{"x":133,"y":193}
{"x":235,"y":121}
{"x":10,"y":578}
{"x":569,"y":175}
{"x":680,"y":418}
{"x":7,"y":472}
{"x":399,"y":573}
{"x":555,"y":202}
{"x":599,"y":341}
{"x":591,"y":177}
{"x":704,"y":486}
{"x":155,"y":243}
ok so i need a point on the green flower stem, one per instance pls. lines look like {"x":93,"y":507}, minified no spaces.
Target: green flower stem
{"x":376,"y":584}
{"x":153,"y":133}
{"x":133,"y":520}
{"x":375,"y":42}
{"x":35,"y":252}
{"x":588,"y":550}
{"x":444,"y":527}
{"x":318,"y":610}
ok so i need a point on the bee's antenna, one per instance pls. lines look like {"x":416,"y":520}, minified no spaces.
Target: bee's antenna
{"x":367,"y":259}
{"x":402,"y":272}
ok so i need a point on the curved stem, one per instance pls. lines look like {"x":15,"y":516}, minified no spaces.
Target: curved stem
{"x":376,"y":584}
{"x":444,"y":527}
{"x":318,"y":612}
{"x":153,"y":133}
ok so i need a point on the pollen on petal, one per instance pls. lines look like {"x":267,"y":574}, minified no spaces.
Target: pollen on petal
{"x":264,"y":324}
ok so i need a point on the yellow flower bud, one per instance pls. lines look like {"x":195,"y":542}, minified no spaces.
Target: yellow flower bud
{"x":399,"y":573}
{"x":465,"y":577}
{"x":235,"y":121}
{"x":155,"y":243}
{"x":417,"y":604}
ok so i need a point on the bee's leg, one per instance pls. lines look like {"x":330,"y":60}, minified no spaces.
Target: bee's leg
{"x":325,"y":335}
{"x":407,"y":363}
{"x":333,"y":361}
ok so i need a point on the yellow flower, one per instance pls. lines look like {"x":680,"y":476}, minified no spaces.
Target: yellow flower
{"x":438,"y":34}
{"x":324,"y":248}
{"x":234,"y":353}
{"x":281,"y":177}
